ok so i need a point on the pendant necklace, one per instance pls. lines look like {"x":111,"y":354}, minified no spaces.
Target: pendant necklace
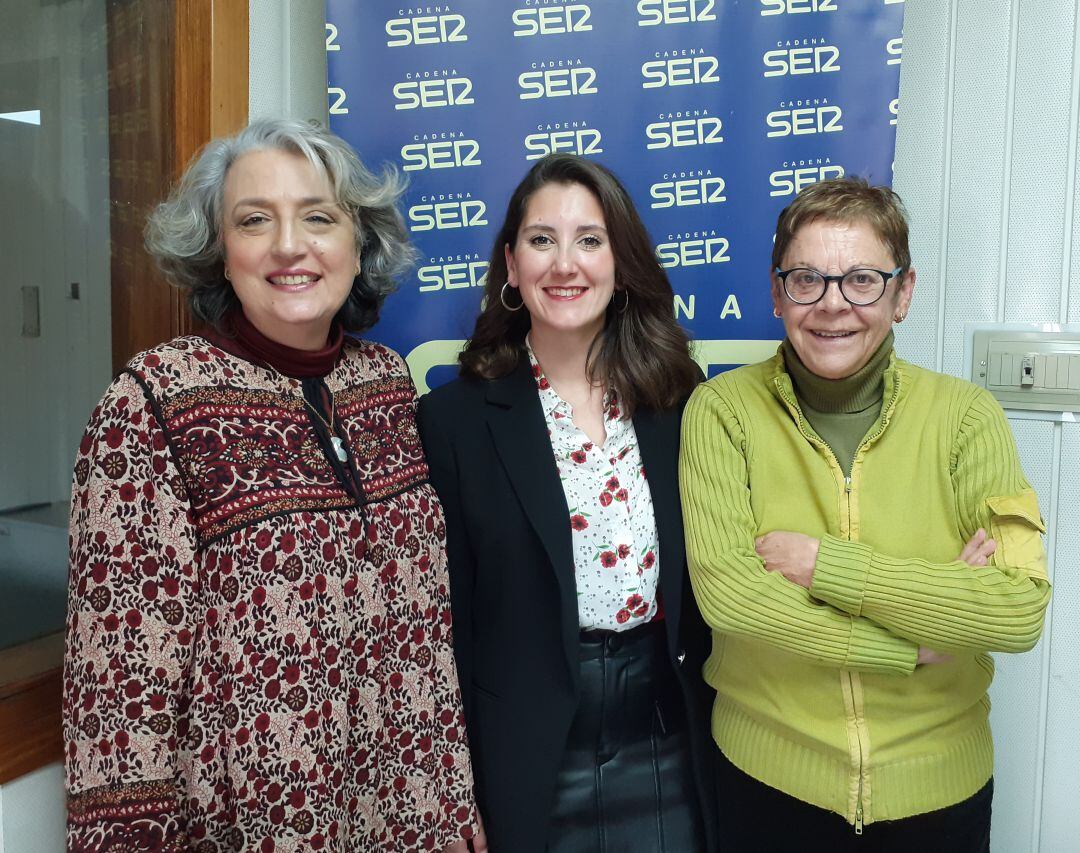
{"x":335,"y":440}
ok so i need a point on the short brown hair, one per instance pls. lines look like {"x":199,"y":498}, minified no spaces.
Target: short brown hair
{"x":847,"y":200}
{"x":642,"y":351}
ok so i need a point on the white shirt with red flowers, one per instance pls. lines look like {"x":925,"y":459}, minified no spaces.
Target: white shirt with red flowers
{"x":616,"y":550}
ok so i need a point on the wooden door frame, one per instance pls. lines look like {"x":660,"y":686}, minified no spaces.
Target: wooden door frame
{"x":178,"y":77}
{"x":199,"y":92}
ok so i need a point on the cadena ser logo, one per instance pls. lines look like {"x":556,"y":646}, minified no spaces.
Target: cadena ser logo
{"x":656,"y":13}
{"x":437,"y":88}
{"x":693,"y":249}
{"x":445,"y":211}
{"x":440,"y":150}
{"x":452,"y":272}
{"x":552,"y":20}
{"x":804,"y":117}
{"x":425,"y":25}
{"x":557,"y":78}
{"x":685,"y":128}
{"x":793,"y":57}
{"x":574,"y":136}
{"x":796,"y":7}
{"x":687,"y":189}
{"x":794,"y":175}
{"x":685,"y":67}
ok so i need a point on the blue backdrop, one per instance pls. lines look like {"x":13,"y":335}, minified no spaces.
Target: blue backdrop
{"x":712,"y":112}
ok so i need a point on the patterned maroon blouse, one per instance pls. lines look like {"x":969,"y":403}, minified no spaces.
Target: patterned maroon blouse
{"x":257,"y":660}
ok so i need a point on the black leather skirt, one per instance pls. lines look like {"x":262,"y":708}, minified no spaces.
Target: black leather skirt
{"x":626,"y":780}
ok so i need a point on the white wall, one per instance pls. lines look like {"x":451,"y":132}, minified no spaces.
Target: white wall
{"x":986,"y":160}
{"x":32,"y":814}
{"x":287,"y":59}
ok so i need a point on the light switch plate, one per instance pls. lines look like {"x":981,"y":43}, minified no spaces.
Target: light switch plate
{"x":1033,"y":369}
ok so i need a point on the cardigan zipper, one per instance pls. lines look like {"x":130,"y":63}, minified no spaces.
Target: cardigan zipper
{"x":859,"y":740}
{"x":851,"y":682}
{"x":853,"y":677}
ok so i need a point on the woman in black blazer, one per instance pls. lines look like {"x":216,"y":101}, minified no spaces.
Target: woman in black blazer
{"x":578,"y":643}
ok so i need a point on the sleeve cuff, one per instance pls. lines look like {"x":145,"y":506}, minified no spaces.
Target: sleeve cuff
{"x":873,"y":648}
{"x":840,"y":574}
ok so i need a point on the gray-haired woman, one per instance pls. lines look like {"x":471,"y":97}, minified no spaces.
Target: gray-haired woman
{"x":258,"y":653}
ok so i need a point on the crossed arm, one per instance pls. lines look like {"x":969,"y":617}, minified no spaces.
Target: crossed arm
{"x":841,"y":603}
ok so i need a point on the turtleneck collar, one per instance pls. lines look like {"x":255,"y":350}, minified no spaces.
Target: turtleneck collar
{"x":854,"y":393}
{"x":240,"y":337}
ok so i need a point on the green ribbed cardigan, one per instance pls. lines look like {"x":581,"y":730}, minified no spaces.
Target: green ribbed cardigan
{"x":818,"y":692}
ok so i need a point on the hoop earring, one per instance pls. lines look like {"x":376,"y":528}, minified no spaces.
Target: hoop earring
{"x":626,"y":300}
{"x":227,"y":276}
{"x":502,"y":298}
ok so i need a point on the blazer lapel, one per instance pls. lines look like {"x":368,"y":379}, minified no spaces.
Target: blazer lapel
{"x":515,"y":420}
{"x":658,"y":441}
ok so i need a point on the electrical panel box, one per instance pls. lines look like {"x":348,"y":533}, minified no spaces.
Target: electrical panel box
{"x":1030,"y":369}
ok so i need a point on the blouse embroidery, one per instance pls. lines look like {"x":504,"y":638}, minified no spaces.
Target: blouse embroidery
{"x":616,"y":548}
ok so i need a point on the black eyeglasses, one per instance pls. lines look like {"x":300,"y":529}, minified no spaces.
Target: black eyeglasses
{"x":859,"y":287}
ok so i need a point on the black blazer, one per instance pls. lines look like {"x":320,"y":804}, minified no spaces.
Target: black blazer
{"x":513,"y":594}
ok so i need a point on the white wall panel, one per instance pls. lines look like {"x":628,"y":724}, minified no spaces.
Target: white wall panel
{"x":1070,"y":310}
{"x":31,"y":814}
{"x":980,"y":136}
{"x":927,"y":96}
{"x":1039,"y":165}
{"x":1018,"y":713}
{"x":995,"y":237}
{"x":287,"y":59}
{"x":1060,"y":823}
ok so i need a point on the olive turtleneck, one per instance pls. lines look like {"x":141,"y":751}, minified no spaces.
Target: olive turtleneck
{"x":841,"y":411}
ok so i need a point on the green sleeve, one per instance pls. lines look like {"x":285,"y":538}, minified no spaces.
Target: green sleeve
{"x":954,"y":606}
{"x":735,"y":593}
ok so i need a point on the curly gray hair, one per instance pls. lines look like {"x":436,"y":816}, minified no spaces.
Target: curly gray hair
{"x":184,"y":233}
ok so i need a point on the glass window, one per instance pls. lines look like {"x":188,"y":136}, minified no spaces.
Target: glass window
{"x":55,"y":334}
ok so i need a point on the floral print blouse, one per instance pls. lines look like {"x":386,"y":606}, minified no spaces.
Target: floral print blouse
{"x":616,"y":550}
{"x":258,"y":658}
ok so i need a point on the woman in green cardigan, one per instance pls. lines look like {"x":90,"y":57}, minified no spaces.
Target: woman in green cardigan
{"x":860,"y":536}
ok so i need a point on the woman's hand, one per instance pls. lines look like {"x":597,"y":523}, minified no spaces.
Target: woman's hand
{"x":476,"y":844}
{"x":929,"y":656}
{"x":791,"y":554}
{"x":978,"y":550}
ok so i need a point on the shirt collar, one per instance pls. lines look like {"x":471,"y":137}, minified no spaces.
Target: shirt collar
{"x":554,"y":406}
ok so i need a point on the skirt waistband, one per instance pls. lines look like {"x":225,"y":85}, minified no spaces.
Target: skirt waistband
{"x":641,"y":639}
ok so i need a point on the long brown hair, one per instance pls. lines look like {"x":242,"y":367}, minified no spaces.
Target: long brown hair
{"x":641,"y":351}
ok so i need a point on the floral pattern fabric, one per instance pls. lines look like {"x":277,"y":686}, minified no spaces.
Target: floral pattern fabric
{"x":616,"y":549}
{"x":258,"y":659}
